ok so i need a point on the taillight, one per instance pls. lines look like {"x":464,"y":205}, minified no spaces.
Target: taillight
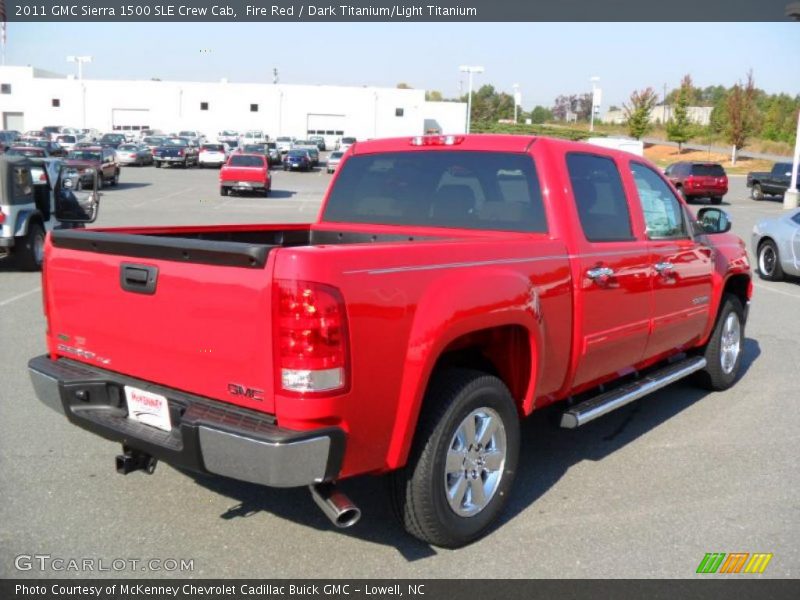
{"x":2,"y":217}
{"x":180,"y":152}
{"x":311,"y":337}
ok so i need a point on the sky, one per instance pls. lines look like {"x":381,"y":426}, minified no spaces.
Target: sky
{"x":545,"y":59}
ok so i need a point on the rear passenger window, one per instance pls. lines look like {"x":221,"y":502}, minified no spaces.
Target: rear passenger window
{"x":599,"y":198}
{"x":663,"y":213}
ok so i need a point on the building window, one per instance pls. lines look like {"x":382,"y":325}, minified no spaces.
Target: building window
{"x":254,"y":108}
{"x":5,"y":88}
{"x":56,"y":102}
{"x":204,"y":106}
{"x":398,"y":112}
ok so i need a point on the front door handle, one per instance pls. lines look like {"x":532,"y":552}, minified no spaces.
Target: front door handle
{"x":600,"y":273}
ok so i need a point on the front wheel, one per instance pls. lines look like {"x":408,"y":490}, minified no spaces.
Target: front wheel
{"x":463,"y":460}
{"x":115,"y":179}
{"x":723,"y":353}
{"x":757,"y":192}
{"x":223,"y":191}
{"x":157,"y":163}
{"x":769,"y":264}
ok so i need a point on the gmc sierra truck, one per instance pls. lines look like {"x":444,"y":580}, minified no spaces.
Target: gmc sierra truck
{"x":450,"y":286}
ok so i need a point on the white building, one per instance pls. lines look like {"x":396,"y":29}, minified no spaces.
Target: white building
{"x":31,"y":99}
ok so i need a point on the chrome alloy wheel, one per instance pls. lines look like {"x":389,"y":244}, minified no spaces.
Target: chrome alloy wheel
{"x":767,"y":260}
{"x":475,"y":461}
{"x":730,"y":343}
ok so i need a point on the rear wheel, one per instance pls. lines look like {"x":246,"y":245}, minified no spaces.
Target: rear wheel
{"x":769,"y":264}
{"x":115,"y":179}
{"x":157,"y":163}
{"x":100,"y":181}
{"x":463,"y":461}
{"x":223,"y":191}
{"x":757,"y":193}
{"x":32,"y":253}
{"x":723,"y":353}
{"x":716,"y":200}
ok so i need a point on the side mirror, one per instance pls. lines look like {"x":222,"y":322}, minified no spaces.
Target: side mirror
{"x":713,"y":220}
{"x":76,"y":201}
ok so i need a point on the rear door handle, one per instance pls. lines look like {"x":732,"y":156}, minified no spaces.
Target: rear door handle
{"x":139,"y":279}
{"x":600,"y":273}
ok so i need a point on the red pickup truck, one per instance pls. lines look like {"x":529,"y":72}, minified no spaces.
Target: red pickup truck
{"x":450,"y":286}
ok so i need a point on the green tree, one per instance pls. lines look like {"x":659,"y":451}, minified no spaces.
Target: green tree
{"x":637,"y":113}
{"x":540,"y":114}
{"x":404,"y":86}
{"x":679,"y":126}
{"x":434,"y":96}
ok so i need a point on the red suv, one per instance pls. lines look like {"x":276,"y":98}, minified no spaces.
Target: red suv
{"x":699,"y":180}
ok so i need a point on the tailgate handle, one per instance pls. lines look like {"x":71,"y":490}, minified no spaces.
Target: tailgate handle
{"x":140,"y":279}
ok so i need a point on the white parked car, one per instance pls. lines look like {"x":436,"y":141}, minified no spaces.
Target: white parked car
{"x":254,"y":136}
{"x":227,"y":135}
{"x":284,"y":144}
{"x":192,"y":135}
{"x":68,"y":141}
{"x":213,"y":155}
{"x":345,"y":143}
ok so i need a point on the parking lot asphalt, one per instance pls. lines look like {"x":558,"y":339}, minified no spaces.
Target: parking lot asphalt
{"x":643,"y":492}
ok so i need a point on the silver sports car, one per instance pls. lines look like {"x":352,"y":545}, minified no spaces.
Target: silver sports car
{"x":776,"y":244}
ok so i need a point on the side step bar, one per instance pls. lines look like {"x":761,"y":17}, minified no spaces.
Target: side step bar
{"x":590,"y":409}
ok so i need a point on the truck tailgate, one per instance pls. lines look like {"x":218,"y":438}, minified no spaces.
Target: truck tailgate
{"x":204,"y":327}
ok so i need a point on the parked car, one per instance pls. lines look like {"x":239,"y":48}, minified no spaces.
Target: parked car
{"x":284,"y":143}
{"x":311,"y":148}
{"x":94,"y":159}
{"x":213,"y":155}
{"x":193,"y":136}
{"x":153,"y":141}
{"x":776,"y":245}
{"x":176,"y":151}
{"x":245,"y":173}
{"x":150,"y":133}
{"x":35,"y":134}
{"x":35,"y":201}
{"x":345,"y":143}
{"x":51,"y":132}
{"x":334,"y":158}
{"x":7,"y":139}
{"x":477,"y":300}
{"x":319,"y":141}
{"x":52,"y":148}
{"x":134,"y":154}
{"x":699,"y":180}
{"x":112,"y":140}
{"x":297,"y":159}
{"x":771,"y":183}
{"x":227,"y":136}
{"x":67,"y":141}
{"x":91,"y":135}
{"x":29,"y":151}
{"x":254,"y":136}
{"x":273,"y":153}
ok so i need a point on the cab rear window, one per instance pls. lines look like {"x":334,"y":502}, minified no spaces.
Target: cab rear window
{"x":470,"y":190}
{"x":709,"y":170}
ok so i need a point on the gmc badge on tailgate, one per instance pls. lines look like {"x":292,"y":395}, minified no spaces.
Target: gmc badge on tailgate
{"x":237,"y":389}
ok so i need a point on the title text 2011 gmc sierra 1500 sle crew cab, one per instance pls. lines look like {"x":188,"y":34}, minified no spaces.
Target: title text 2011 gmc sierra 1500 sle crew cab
{"x":451,"y":286}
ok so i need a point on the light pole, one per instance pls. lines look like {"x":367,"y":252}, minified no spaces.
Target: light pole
{"x":594,"y":81}
{"x":470,"y":70}
{"x":516,"y":103}
{"x":80,"y":60}
{"x":791,"y":198}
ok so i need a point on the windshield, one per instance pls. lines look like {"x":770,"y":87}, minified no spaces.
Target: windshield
{"x":187,"y":133}
{"x":255,"y":148}
{"x":335,"y":155}
{"x":129,"y":147}
{"x":153,"y":140}
{"x":228,"y":132}
{"x":175,"y":142}
{"x":297,"y":154}
{"x":348,"y":140}
{"x":243,"y":160}
{"x":68,"y":139}
{"x":112,"y":137}
{"x":213,"y":147}
{"x":471,"y":190}
{"x":85,"y":155}
{"x":283,"y":139}
{"x":708,"y":170}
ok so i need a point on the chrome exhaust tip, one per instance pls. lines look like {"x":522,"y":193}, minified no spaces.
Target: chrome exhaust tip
{"x":335,"y":505}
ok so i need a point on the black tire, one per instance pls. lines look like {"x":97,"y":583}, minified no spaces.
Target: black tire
{"x":265,"y":193}
{"x":223,"y":191}
{"x":716,"y":200}
{"x":419,"y":490}
{"x":115,"y":179}
{"x":100,"y":181}
{"x":31,"y":250}
{"x":757,"y":193}
{"x":157,"y":164}
{"x":718,"y":375}
{"x":768,"y":261}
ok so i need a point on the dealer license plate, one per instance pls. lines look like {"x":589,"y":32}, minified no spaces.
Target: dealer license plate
{"x":148,"y":408}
